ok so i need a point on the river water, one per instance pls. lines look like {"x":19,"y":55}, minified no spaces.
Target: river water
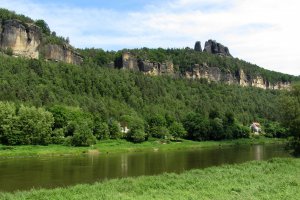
{"x":50,"y":172}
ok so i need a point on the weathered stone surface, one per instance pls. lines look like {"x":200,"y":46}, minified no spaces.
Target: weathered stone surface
{"x":26,"y":40}
{"x":23,"y":40}
{"x":129,"y":61}
{"x":243,"y":79}
{"x":198,"y":46}
{"x":211,"y":46}
{"x":259,"y":82}
{"x":62,"y":53}
{"x":151,"y":68}
{"x":204,"y":72}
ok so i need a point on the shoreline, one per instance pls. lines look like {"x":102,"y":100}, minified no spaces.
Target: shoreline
{"x":123,"y":146}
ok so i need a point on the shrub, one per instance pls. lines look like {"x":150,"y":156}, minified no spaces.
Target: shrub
{"x":177,"y":130}
{"x":115,"y":130}
{"x":83,"y":136}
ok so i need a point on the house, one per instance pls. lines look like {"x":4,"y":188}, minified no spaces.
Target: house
{"x":255,"y":128}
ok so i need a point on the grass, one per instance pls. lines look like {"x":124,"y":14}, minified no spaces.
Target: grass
{"x":117,"y":146}
{"x":273,"y":179}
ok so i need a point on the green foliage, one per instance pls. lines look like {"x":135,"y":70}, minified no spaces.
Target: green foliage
{"x":43,"y":26}
{"x":101,"y":130}
{"x":36,"y":124}
{"x":115,"y":130}
{"x":136,"y":128}
{"x":25,"y":125}
{"x":177,"y":130}
{"x":83,"y":135}
{"x":7,"y":121}
{"x":7,"y":15}
{"x":275,"y":129}
{"x":197,"y":126}
{"x":290,"y":112}
{"x":156,"y":102}
{"x":159,"y":132}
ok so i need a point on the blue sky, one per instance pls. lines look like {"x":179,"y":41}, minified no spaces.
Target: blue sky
{"x":259,"y":31}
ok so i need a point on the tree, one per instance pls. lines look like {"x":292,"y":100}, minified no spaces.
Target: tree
{"x":36,"y":124}
{"x":290,"y":112}
{"x":101,"y":131}
{"x":197,"y":126}
{"x":83,"y":135}
{"x":217,"y":130}
{"x":115,"y":130}
{"x":177,"y":130}
{"x":43,"y":26}
{"x":7,"y":121}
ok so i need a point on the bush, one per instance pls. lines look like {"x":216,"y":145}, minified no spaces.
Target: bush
{"x":160,"y":132}
{"x":7,"y":121}
{"x":101,"y":131}
{"x":197,"y":126}
{"x":137,"y":135}
{"x":177,"y":130}
{"x":36,"y":124}
{"x":275,"y":129}
{"x":58,"y":136}
{"x":115,"y":130}
{"x":83,"y":136}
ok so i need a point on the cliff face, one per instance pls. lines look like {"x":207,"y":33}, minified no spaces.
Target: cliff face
{"x":26,"y":40}
{"x":62,"y":53}
{"x":22,"y":40}
{"x":130,"y":62}
{"x":199,"y":71}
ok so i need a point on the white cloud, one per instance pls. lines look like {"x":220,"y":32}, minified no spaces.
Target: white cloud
{"x":259,"y":31}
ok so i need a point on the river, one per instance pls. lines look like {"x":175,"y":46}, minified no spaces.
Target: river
{"x":51,"y":172}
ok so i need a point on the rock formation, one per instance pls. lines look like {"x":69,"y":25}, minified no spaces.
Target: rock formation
{"x":211,"y":46}
{"x":26,"y":40}
{"x":23,"y":40}
{"x":198,"y":71}
{"x":61,"y":53}
{"x":198,"y":46}
{"x":129,"y":61}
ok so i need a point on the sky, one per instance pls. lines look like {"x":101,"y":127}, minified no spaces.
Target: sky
{"x":263,"y":32}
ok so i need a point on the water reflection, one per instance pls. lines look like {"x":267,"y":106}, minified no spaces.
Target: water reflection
{"x":20,"y":174}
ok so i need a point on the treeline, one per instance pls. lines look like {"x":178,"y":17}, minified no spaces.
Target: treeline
{"x":84,"y":103}
{"x":28,"y":125}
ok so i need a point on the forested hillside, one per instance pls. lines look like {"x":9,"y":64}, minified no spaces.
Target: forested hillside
{"x":91,"y":101}
{"x":45,"y":102}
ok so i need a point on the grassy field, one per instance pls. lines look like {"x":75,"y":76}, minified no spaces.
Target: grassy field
{"x":273,"y":179}
{"x":116,"y":146}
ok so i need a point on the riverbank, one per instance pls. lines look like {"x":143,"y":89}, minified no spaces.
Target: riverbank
{"x":273,"y":179}
{"x":117,"y":146}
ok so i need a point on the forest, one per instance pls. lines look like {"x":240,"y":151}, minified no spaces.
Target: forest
{"x":46,"y":102}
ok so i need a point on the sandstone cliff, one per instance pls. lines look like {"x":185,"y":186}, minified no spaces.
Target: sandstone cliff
{"x":199,"y":71}
{"x":23,"y":40}
{"x":26,"y":40}
{"x":129,"y":61}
